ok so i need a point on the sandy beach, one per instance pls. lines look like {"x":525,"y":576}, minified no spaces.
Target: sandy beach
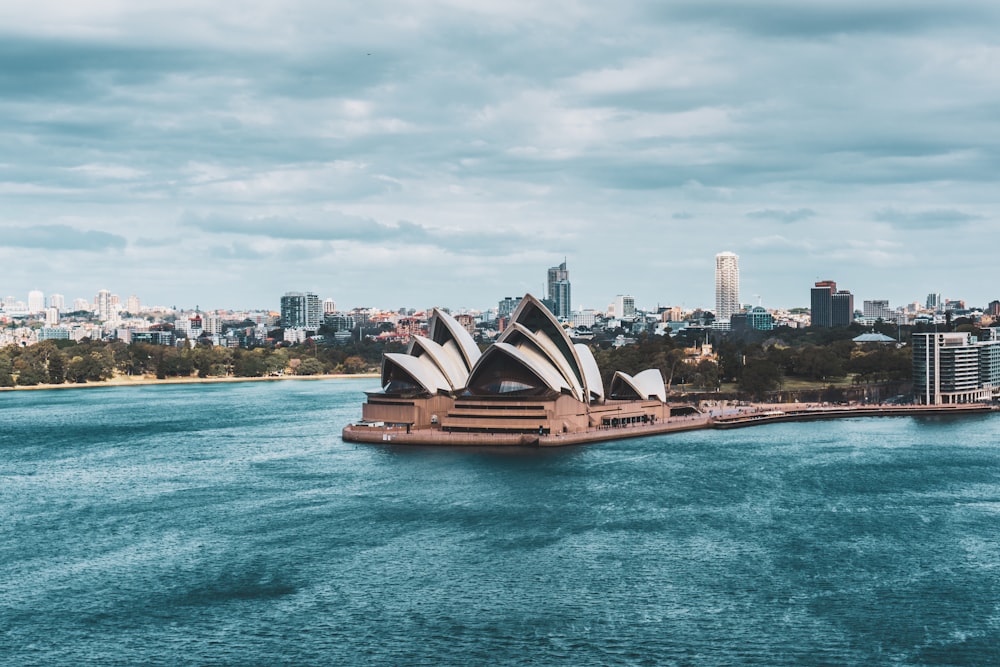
{"x":139,"y":380}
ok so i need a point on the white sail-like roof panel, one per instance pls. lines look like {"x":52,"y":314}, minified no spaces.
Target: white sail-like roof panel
{"x":421,"y":369}
{"x":523,"y":338}
{"x":645,"y":385}
{"x":534,"y":363}
{"x":534,"y":316}
{"x":448,"y":359}
{"x":444,"y":327}
{"x":591,"y":371}
{"x":650,"y":382}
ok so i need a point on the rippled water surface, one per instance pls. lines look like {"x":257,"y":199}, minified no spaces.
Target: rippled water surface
{"x":229,"y":524}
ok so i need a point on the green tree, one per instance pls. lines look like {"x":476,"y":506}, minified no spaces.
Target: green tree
{"x":6,"y":369}
{"x":57,"y":368}
{"x":309,"y":366}
{"x":759,"y":377}
{"x":30,"y":369}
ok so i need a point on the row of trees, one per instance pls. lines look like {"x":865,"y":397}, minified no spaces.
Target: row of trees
{"x":58,"y":362}
{"x":756,"y":367}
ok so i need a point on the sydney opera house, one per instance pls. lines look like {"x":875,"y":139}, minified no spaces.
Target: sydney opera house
{"x":533,"y":383}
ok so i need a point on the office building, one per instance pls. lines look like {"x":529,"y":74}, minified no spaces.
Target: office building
{"x":558,"y":289}
{"x":956,"y":367}
{"x":821,"y":303}
{"x":507,"y":305}
{"x":727,"y":286}
{"x":830,"y":307}
{"x":842,"y":308}
{"x":878,"y":310}
{"x":625,"y":307}
{"x":761,"y":320}
{"x":329,"y":306}
{"x":57,"y":301}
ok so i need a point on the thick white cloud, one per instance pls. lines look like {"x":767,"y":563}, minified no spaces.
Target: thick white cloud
{"x":407,"y":153}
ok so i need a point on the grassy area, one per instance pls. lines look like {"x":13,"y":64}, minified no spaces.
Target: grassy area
{"x":796,"y":384}
{"x":787,"y":384}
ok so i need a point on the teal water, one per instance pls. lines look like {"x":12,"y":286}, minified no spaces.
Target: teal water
{"x":230,"y":525}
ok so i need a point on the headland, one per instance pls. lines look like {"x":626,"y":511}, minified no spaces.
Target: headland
{"x":534,"y":387}
{"x":727,"y":418}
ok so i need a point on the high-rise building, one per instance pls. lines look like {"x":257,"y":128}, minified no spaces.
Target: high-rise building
{"x":727,"y":286}
{"x":507,"y":305}
{"x":821,"y":303}
{"x":132,"y":305}
{"x":36,"y":301}
{"x":213,"y":324}
{"x":956,"y":367}
{"x":103,"y":306}
{"x":559,"y":290}
{"x":842,"y":308}
{"x":301,"y":311}
{"x":57,"y":301}
{"x":80,"y":305}
{"x":329,"y":306}
{"x":933,"y":301}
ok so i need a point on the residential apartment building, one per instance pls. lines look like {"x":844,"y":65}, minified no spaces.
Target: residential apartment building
{"x":956,"y":367}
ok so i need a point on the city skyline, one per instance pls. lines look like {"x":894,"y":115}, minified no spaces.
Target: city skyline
{"x":190,"y":153}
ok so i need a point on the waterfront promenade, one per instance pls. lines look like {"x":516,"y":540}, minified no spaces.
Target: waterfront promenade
{"x":723,"y":416}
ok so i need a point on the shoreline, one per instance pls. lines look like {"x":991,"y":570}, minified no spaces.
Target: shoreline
{"x":755,"y":415}
{"x":145,"y":381}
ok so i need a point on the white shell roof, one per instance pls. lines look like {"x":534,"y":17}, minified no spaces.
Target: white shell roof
{"x":564,"y":345}
{"x":591,"y":371}
{"x":647,"y":384}
{"x":455,"y":331}
{"x":524,"y":339}
{"x":447,"y":359}
{"x":533,"y":361}
{"x":422,"y":369}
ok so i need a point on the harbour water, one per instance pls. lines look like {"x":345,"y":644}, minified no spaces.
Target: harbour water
{"x":229,"y":524}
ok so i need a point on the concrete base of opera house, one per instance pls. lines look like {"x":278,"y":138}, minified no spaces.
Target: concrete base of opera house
{"x":743,"y":416}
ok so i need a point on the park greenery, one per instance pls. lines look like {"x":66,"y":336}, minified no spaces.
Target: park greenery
{"x":59,"y":362}
{"x":751,"y":366}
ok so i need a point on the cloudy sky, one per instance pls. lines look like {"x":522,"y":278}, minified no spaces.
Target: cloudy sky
{"x":419,"y":152}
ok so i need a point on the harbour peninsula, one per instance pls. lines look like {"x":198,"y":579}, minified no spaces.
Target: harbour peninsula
{"x":535,"y":387}
{"x":739,"y":417}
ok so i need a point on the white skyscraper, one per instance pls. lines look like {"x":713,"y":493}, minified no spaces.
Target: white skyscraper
{"x":132,"y":305}
{"x":104,"y":308}
{"x":727,"y":286}
{"x":57,"y":301}
{"x":36,"y":301}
